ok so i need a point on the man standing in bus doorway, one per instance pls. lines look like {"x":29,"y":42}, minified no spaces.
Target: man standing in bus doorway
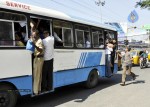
{"x":38,"y":62}
{"x":127,"y":65}
{"x":109,"y":49}
{"x":47,"y":74}
{"x":113,"y":41}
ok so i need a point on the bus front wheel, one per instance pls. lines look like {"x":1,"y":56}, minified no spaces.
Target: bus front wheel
{"x":92,"y":80}
{"x":8,"y":96}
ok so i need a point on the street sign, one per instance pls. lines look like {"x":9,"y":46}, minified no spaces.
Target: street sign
{"x":146,"y":27}
{"x":133,"y":17}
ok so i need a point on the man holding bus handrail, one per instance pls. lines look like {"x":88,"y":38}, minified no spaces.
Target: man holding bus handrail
{"x":113,"y":41}
{"x":38,"y":62}
{"x":109,"y":49}
{"x":47,"y":73}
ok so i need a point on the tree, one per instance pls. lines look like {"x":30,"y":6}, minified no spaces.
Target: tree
{"x":143,"y":4}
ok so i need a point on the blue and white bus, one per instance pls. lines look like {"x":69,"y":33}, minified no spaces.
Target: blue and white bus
{"x":75,"y":60}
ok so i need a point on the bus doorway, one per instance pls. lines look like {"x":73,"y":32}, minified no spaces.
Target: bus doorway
{"x":111,"y":46}
{"x":42,"y":74}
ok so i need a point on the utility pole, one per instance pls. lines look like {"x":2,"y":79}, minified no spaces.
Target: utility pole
{"x":100,"y":3}
{"x":148,"y":32}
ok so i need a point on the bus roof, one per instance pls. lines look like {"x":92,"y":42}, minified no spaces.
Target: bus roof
{"x":29,"y":8}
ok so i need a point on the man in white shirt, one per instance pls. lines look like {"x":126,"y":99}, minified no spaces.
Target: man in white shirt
{"x":87,"y":42}
{"x":58,"y":40}
{"x":108,"y":59}
{"x":56,"y":37}
{"x":47,"y":76}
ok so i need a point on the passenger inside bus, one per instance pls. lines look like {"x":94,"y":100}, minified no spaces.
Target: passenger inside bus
{"x":20,"y":31}
{"x":17,"y":29}
{"x":87,"y":40}
{"x":108,"y":39}
{"x":80,"y":44}
{"x":24,"y":35}
{"x":18,"y":41}
{"x":101,"y":43}
{"x":16,"y":23}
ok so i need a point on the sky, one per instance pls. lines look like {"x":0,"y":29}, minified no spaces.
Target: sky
{"x":112,"y":11}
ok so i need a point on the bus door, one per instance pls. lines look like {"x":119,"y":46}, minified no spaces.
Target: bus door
{"x":42,"y":75}
{"x":110,"y":38}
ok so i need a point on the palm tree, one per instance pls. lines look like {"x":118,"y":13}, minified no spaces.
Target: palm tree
{"x":143,"y":4}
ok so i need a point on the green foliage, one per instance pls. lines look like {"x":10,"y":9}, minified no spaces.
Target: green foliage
{"x":144,"y":4}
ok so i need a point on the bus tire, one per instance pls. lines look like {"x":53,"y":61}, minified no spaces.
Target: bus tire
{"x":8,"y":96}
{"x":92,"y":80}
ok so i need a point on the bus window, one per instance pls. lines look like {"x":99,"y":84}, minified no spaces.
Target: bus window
{"x":87,"y":41}
{"x":101,"y":43}
{"x":58,"y":36}
{"x":6,"y":36}
{"x":83,"y":39}
{"x":63,"y":33}
{"x":39,"y":24}
{"x":101,"y":40}
{"x":80,"y":38}
{"x":95,"y":39}
{"x":14,"y":23}
{"x":112,"y":35}
{"x":109,"y":36}
{"x":98,"y":38}
{"x":67,"y":37}
{"x":20,"y":30}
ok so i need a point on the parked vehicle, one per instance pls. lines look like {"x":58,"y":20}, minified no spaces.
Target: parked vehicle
{"x":149,"y":57}
{"x":136,"y":56}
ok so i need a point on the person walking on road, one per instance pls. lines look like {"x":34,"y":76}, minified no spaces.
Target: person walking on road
{"x":127,"y":66}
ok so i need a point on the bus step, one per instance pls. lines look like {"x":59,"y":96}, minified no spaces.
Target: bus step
{"x":43,"y":93}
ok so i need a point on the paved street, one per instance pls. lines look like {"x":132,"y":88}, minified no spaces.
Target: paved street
{"x":108,"y":93}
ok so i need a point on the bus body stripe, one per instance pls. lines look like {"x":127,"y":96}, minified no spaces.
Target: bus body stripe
{"x":80,"y":60}
{"x":85,"y":58}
